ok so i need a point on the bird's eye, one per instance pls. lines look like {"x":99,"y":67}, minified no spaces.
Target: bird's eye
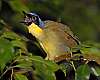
{"x":34,"y":17}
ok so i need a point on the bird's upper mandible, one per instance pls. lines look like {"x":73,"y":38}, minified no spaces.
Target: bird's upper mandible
{"x":55,"y":38}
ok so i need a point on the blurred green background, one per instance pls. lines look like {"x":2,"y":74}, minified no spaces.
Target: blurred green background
{"x":83,"y":16}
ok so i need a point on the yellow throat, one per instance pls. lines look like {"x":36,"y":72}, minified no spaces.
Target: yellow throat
{"x":35,"y":30}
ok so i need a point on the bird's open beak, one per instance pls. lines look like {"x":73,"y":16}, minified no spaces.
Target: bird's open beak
{"x":27,"y":20}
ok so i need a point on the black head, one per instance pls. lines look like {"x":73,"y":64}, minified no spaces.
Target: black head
{"x":30,"y":18}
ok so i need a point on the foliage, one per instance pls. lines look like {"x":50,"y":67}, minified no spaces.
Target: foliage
{"x":19,"y":64}
{"x":21,"y":56}
{"x":14,"y":57}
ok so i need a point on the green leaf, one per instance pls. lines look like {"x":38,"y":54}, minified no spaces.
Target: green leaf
{"x":96,"y":70}
{"x":24,"y":62}
{"x":42,"y":65}
{"x":91,"y":53}
{"x":91,"y":44}
{"x":15,"y":39}
{"x":37,"y":60}
{"x":41,"y":75}
{"x":50,"y":65}
{"x":64,"y":67}
{"x":11,"y":35}
{"x":18,"y":5}
{"x":82,"y":72}
{"x":20,"y":77}
{"x":21,"y":44}
{"x":6,"y":52}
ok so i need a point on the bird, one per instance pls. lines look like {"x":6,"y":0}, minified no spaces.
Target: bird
{"x":55,"y":38}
